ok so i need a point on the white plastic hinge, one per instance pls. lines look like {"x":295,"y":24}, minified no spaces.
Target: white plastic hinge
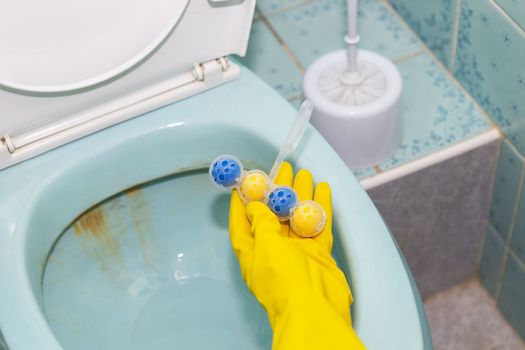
{"x":211,"y":70}
{"x":20,"y":146}
{"x":8,"y":143}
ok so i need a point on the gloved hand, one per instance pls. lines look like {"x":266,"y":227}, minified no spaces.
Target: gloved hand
{"x":296,"y":279}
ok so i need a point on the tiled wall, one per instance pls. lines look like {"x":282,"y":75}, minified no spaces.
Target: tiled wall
{"x":288,"y":35}
{"x":482,"y":43}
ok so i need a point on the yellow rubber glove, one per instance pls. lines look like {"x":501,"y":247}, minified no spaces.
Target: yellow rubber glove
{"x":296,"y":279}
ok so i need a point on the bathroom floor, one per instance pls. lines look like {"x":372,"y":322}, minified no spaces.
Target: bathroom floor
{"x":466,"y":317}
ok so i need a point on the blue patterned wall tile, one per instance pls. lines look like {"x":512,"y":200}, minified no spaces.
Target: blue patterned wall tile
{"x":515,"y":9}
{"x":268,"y":7}
{"x":432,"y":21}
{"x":506,"y":186}
{"x":517,"y":242}
{"x":436,"y":112}
{"x":266,"y":58}
{"x":319,"y":28}
{"x":364,"y":173}
{"x":512,"y":296}
{"x":489,"y":63}
{"x":491,"y":259}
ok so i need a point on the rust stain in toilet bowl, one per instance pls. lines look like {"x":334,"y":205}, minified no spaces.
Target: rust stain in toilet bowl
{"x":92,"y":222}
{"x":99,"y":239}
{"x":142,"y":220}
{"x":111,"y":232}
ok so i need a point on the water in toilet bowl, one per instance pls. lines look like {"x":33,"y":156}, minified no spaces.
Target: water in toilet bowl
{"x":141,"y":271}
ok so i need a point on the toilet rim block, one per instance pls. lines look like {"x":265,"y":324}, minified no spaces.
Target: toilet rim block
{"x":307,"y":218}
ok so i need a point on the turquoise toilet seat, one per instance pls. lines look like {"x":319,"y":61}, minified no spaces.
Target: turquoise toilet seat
{"x":160,"y":156}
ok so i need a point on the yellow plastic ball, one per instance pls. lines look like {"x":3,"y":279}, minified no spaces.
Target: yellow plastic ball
{"x":254,"y":186}
{"x":308,"y":219}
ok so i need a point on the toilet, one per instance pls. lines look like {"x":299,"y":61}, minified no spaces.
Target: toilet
{"x":111,"y":234}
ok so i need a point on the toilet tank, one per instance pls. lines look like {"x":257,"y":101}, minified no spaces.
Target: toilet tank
{"x":46,"y":108}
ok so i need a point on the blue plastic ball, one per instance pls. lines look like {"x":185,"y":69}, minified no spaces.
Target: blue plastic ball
{"x":281,"y":201}
{"x":226,"y":170}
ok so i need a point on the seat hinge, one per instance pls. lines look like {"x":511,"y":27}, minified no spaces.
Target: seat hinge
{"x":211,"y":71}
{"x":6,"y":139}
{"x":21,"y":145}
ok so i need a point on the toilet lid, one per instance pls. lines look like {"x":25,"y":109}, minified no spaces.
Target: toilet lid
{"x":63,"y":45}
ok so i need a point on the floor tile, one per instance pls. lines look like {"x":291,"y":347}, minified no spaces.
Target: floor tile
{"x":432,"y":21}
{"x":491,"y":260}
{"x":512,"y":296}
{"x":267,"y":59}
{"x":506,"y":186}
{"x":319,"y":28}
{"x":436,"y":112}
{"x":489,"y":63}
{"x":466,"y":318}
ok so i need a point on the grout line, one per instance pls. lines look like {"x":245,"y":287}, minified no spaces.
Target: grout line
{"x":431,"y":159}
{"x":257,"y":13}
{"x":509,"y":235}
{"x":405,"y":25}
{"x":511,"y":144}
{"x":408,"y":56}
{"x":408,"y":28}
{"x":304,"y":3}
{"x":518,"y":259}
{"x":293,"y":57}
{"x":454,"y":38}
{"x":483,"y":240}
{"x":508,"y":17}
{"x":501,"y":272}
{"x":296,"y":97}
{"x":488,"y":200}
{"x":514,"y":149}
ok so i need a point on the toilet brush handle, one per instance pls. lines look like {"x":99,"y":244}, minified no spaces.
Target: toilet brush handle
{"x":352,"y":38}
{"x":294,"y":136}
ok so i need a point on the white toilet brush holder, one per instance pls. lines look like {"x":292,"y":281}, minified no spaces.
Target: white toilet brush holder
{"x":357,"y":99}
{"x":364,"y":132}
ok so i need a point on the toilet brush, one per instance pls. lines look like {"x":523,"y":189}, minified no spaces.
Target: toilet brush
{"x":354,"y":85}
{"x":357,"y":99}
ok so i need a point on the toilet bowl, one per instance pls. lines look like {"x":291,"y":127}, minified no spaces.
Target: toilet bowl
{"x":117,"y":239}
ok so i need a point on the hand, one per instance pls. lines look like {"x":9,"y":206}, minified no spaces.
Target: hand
{"x":296,"y":279}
